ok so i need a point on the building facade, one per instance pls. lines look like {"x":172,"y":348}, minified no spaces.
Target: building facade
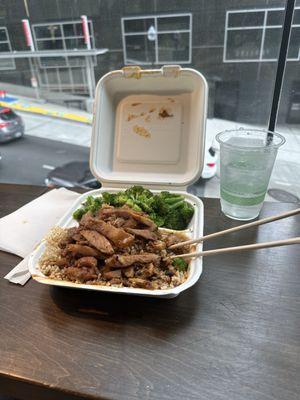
{"x":234,"y":44}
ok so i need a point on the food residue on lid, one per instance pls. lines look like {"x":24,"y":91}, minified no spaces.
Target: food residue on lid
{"x":152,"y":110}
{"x":132,"y":116}
{"x":135,"y":104}
{"x":141,"y":131}
{"x":164,"y":113}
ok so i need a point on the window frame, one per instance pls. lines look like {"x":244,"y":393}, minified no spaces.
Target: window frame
{"x":63,"y":38}
{"x":157,"y":61}
{"x":7,"y":41}
{"x":263,"y":28}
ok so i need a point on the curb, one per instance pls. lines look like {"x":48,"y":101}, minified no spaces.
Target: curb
{"x":43,"y":111}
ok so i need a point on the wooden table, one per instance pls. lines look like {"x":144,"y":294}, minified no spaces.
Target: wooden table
{"x":234,"y":335}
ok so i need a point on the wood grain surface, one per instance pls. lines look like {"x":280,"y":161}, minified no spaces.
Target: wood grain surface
{"x":234,"y":335}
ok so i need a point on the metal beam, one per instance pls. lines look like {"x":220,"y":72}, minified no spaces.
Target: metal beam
{"x":52,"y":53}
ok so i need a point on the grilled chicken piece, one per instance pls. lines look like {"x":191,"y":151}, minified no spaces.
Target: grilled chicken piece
{"x":77,"y":237}
{"x":86,"y":218}
{"x":118,"y":236}
{"x":87,"y":262}
{"x":78,"y":249}
{"x":63,"y":262}
{"x":128,"y":272}
{"x":80,"y":274}
{"x":130,"y":223}
{"x":147,"y":271}
{"x":172,"y":239}
{"x":98,"y":241}
{"x":117,"y":222}
{"x":117,"y":273}
{"x":140,"y":283}
{"x":120,"y":261}
{"x":143,"y":233}
{"x":158,"y":245}
{"x":127,"y":213}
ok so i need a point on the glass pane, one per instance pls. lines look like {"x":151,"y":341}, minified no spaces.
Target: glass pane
{"x":47,"y":31}
{"x":275,"y":17}
{"x":296,"y":19}
{"x":53,"y":62}
{"x":52,"y":77}
{"x":77,"y":43}
{"x":138,"y":25}
{"x":50,"y":44}
{"x":241,"y":19}
{"x":272,"y":43}
{"x":7,"y":63}
{"x":173,"y":23}
{"x":4,"y":47}
{"x":3,"y":36}
{"x":79,"y":27}
{"x":69,"y":30}
{"x":76,"y":61}
{"x":42,"y":77}
{"x":139,"y":49}
{"x":173,"y":47}
{"x":244,"y":44}
{"x":77,"y":75}
{"x":72,"y":29}
{"x":64,"y":75}
{"x":294,"y":45}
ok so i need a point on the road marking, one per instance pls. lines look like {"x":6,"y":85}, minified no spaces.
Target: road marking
{"x":48,"y":167}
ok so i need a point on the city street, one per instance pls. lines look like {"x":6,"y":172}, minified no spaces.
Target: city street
{"x":28,"y":160}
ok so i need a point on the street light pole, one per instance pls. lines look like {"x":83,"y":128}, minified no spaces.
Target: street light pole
{"x":89,"y":65}
{"x":29,"y":42}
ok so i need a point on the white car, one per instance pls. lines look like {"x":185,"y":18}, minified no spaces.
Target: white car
{"x":210,"y":161}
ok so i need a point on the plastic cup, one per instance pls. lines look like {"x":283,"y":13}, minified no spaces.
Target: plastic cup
{"x":247,"y":157}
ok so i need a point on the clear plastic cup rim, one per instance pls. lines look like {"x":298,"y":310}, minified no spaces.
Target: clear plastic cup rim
{"x":271,"y":144}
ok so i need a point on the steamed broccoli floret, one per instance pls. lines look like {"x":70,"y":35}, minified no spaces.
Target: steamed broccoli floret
{"x":95,"y":204}
{"x":174,"y":221}
{"x":141,"y":197}
{"x":179,"y":218}
{"x":78,"y":214}
{"x":180,"y":264}
{"x":170,"y":198}
{"x":91,"y":204}
{"x":158,"y":219}
{"x":136,"y":191}
{"x":109,"y":198}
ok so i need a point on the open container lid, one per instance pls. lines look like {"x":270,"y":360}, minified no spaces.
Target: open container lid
{"x":149,"y":127}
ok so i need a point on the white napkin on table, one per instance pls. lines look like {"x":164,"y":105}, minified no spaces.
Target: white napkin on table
{"x":22,"y":230}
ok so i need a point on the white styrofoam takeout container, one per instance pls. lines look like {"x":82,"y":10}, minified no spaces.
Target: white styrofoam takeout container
{"x":149,"y":130}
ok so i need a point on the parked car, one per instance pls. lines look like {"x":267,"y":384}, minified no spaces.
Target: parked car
{"x":11,"y":125}
{"x":210,"y":161}
{"x":72,"y":174}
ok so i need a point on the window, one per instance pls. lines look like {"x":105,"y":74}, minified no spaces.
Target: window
{"x":61,"y":36}
{"x":5,"y":63}
{"x":254,"y":35}
{"x":157,"y":39}
{"x":66,"y":79}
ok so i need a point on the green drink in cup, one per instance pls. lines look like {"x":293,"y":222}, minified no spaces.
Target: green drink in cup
{"x":247,"y":157}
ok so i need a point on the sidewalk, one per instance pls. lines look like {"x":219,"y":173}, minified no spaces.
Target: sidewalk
{"x":33,"y":106}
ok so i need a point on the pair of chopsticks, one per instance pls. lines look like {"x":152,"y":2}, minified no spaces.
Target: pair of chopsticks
{"x":255,"y":246}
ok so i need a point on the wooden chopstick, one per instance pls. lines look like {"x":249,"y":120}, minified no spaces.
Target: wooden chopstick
{"x":255,"y":246}
{"x":237,"y":228}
